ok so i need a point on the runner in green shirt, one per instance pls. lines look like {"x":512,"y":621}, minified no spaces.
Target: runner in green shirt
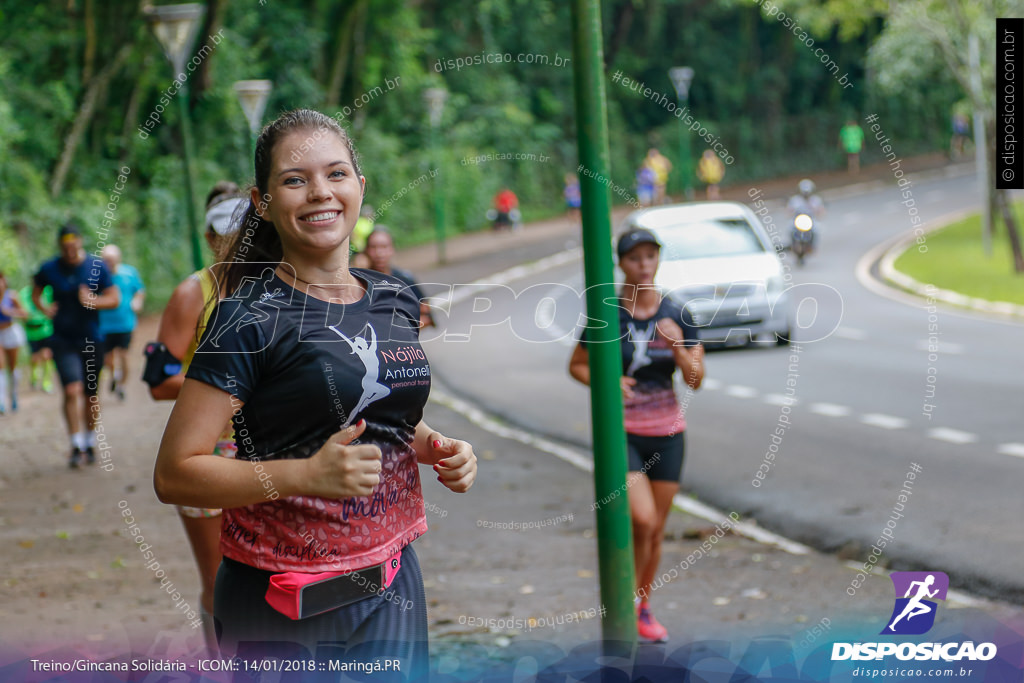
{"x":851,"y":139}
{"x":38,"y":329}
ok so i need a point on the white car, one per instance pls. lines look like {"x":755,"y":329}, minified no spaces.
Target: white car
{"x":717,"y":259}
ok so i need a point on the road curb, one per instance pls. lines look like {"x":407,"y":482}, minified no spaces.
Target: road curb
{"x":890,"y":275}
{"x":493,"y":423}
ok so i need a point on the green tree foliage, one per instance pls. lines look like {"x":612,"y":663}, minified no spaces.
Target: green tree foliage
{"x":926,"y":41}
{"x":78,"y":78}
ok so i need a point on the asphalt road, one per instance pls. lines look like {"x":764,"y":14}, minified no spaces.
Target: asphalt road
{"x":861,"y":387}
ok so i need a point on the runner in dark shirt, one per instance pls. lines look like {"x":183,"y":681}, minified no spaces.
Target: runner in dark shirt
{"x":320,"y":368}
{"x":81,"y":286}
{"x":657,"y":336}
{"x":380,"y":249}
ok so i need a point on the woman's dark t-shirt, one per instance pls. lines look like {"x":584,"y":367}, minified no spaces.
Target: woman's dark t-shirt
{"x":646,"y":357}
{"x":305,"y":368}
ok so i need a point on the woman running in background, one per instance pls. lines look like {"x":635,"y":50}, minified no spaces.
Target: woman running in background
{"x":39,"y":329}
{"x":182,"y":323}
{"x":657,"y":336}
{"x":12,"y":338}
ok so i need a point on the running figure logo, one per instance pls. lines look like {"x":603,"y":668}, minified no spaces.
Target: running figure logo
{"x":640,"y":337}
{"x":259,"y":312}
{"x":914,"y":614}
{"x":367,"y":353}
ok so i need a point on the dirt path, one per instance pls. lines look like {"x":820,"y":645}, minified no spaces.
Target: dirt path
{"x":71,"y":571}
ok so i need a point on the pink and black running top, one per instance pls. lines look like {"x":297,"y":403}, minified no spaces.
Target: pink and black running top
{"x":654,"y":409}
{"x":305,"y":368}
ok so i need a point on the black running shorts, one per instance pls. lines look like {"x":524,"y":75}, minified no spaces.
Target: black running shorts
{"x":659,"y":457}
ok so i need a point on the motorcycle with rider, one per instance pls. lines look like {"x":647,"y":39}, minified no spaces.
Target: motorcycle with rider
{"x":806,"y":209}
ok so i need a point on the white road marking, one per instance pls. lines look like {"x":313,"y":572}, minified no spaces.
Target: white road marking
{"x":460,"y":293}
{"x":1016,"y":449}
{"x":956,"y":597}
{"x":693,"y":507}
{"x":544,"y":318}
{"x":751,"y":531}
{"x":876,"y":570}
{"x":741,"y":391}
{"x":464,"y":292}
{"x":711,"y":384}
{"x":952,"y":596}
{"x":829,"y":409}
{"x":943,"y":347}
{"x":485,"y":421}
{"x":850,"y":333}
{"x":952,"y":435}
{"x":780,"y":400}
{"x":884,"y":421}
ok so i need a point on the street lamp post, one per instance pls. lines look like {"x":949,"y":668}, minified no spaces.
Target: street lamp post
{"x":681,"y":77}
{"x":175,"y":26}
{"x":435,"y":99}
{"x":253,"y":96}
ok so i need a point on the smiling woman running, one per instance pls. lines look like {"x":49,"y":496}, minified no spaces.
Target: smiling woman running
{"x":657,"y":336}
{"x":324,"y":500}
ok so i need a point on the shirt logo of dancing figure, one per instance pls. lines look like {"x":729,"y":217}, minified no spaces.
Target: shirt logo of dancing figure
{"x":366,"y":351}
{"x":640,"y":337}
{"x":914,"y":613}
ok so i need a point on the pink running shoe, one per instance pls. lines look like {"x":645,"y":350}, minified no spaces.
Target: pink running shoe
{"x":647,"y":626}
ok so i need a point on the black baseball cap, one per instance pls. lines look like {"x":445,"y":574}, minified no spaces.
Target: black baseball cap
{"x":633,"y":238}
{"x":68,"y":229}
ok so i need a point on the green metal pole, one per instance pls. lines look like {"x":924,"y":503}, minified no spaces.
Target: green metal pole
{"x":614,"y":530}
{"x":685,"y":161}
{"x":190,"y":194}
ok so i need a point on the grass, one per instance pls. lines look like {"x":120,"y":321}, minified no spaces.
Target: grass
{"x":955,"y":260}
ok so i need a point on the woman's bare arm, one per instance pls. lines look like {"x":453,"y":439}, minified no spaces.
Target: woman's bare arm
{"x":176,"y":331}
{"x":187,"y":473}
